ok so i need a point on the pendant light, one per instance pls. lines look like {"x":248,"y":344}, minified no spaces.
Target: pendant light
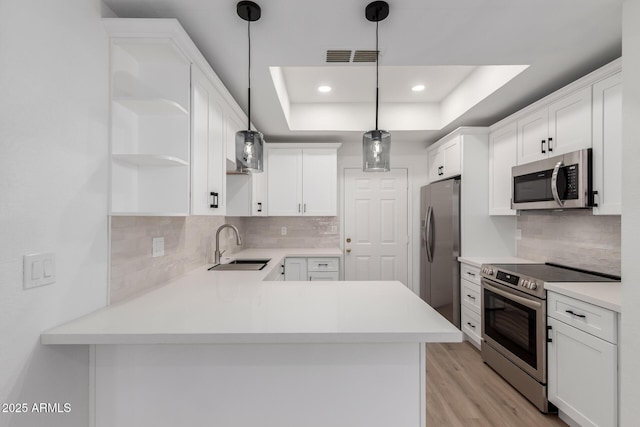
{"x":249,"y":143}
{"x":376,"y":144}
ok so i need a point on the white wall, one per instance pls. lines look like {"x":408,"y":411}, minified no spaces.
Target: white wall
{"x":404,"y":154}
{"x":53,"y":196}
{"x":630,"y":329}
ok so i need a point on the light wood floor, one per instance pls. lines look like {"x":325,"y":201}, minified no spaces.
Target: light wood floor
{"x":464,"y":392}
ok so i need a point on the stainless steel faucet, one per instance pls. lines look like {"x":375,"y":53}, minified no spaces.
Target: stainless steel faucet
{"x":217,"y":253}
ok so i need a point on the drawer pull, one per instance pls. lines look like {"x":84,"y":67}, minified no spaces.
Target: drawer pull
{"x":471,"y":274}
{"x":325,"y":264}
{"x":471,"y":297}
{"x":575,"y":314}
{"x":473,"y":326}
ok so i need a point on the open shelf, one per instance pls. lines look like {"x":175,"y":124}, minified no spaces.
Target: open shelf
{"x":149,"y":160}
{"x":151,"y":105}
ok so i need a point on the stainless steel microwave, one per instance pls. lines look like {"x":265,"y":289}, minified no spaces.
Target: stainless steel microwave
{"x":560,"y":182}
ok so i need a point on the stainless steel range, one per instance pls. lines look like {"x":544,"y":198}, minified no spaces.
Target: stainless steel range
{"x":514,"y":322}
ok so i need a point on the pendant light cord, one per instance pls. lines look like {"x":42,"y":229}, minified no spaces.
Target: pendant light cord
{"x":377,"y":58}
{"x":249,"y":68}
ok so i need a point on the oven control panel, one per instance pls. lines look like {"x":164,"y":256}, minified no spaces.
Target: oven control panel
{"x":513,"y":279}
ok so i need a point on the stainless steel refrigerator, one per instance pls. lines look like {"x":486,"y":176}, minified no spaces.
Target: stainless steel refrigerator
{"x":440,"y":247}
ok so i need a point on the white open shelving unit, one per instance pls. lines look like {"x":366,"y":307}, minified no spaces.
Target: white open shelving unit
{"x":150,"y":127}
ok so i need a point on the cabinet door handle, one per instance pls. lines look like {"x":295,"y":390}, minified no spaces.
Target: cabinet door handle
{"x":214,"y":200}
{"x":473,"y":326}
{"x":304,"y":208}
{"x":259,"y":206}
{"x":549,"y":339}
{"x":471,"y":297}
{"x":542,"y":150}
{"x":571,"y":312}
{"x":549,"y":145}
{"x":298,"y":207}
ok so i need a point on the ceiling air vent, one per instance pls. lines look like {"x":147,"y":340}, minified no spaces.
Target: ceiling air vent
{"x":364,"y":56}
{"x":338,"y":55}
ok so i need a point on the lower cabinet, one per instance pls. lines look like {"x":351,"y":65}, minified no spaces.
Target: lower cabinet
{"x":583,"y":368}
{"x":312,"y":269}
{"x":470,"y":321}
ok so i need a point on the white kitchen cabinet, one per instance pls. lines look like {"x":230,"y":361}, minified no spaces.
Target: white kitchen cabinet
{"x":583,"y":375}
{"x":607,"y":145}
{"x":470,"y":303}
{"x":247,"y":194}
{"x":295,"y":269}
{"x":302,"y":181}
{"x":150,"y":127}
{"x":502,"y":157}
{"x":208,"y":179}
{"x":557,"y":128}
{"x":233,"y":124}
{"x":444,"y":159}
{"x":312,"y":269}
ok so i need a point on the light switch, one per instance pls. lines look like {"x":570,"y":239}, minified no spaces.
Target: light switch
{"x":157,"y":247}
{"x":39,"y":270}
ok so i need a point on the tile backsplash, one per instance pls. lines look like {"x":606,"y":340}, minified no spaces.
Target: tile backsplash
{"x":576,"y":238}
{"x":301,"y":232}
{"x":189,"y":242}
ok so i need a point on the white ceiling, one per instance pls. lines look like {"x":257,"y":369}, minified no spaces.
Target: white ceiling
{"x":561,"y":40}
{"x":395,"y":83}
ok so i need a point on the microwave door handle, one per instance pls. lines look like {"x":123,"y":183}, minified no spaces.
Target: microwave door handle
{"x":554,"y":183}
{"x":428,"y":234}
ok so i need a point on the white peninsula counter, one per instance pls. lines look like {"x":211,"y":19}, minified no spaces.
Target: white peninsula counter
{"x":228,"y":349}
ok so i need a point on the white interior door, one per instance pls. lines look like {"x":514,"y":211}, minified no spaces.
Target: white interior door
{"x":375,"y":225}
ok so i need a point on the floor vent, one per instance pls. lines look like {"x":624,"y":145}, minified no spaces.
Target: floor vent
{"x":338,"y":55}
{"x":364,"y":56}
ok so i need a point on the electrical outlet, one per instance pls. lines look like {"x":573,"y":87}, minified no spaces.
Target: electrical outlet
{"x":283,"y":231}
{"x":157,"y":247}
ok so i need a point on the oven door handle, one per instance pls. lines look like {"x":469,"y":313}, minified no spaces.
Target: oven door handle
{"x":535,"y":305}
{"x":554,"y":183}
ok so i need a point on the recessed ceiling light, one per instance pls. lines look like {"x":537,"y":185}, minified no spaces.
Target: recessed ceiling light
{"x":324,"y":89}
{"x":418,"y":88}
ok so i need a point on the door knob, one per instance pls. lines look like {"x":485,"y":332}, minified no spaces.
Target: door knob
{"x":348,"y":239}
{"x":348,"y":251}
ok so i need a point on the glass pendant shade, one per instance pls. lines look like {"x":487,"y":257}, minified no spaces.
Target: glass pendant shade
{"x":249,"y":147}
{"x":376,"y":151}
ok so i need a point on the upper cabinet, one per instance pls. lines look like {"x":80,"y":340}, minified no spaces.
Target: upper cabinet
{"x":607,"y":145}
{"x":173,"y":123}
{"x":444,"y":159}
{"x":302,"y":181}
{"x":585,"y":114}
{"x":208,"y":179}
{"x":560,"y":127}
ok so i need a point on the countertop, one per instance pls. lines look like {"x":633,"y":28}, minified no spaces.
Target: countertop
{"x":603,"y":294}
{"x":477,"y":261}
{"x":240,"y":307}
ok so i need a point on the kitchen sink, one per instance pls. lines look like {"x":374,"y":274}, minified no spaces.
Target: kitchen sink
{"x":242,"y":265}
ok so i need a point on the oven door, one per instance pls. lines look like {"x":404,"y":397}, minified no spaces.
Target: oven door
{"x":514,"y":324}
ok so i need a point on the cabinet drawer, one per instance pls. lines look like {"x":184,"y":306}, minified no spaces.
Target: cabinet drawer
{"x":323,"y":264}
{"x":317,"y":276}
{"x":590,"y":318}
{"x":470,"y":273}
{"x":470,"y":295}
{"x":470,"y":323}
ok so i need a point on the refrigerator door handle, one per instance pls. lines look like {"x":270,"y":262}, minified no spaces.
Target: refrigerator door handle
{"x":428,"y":234}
